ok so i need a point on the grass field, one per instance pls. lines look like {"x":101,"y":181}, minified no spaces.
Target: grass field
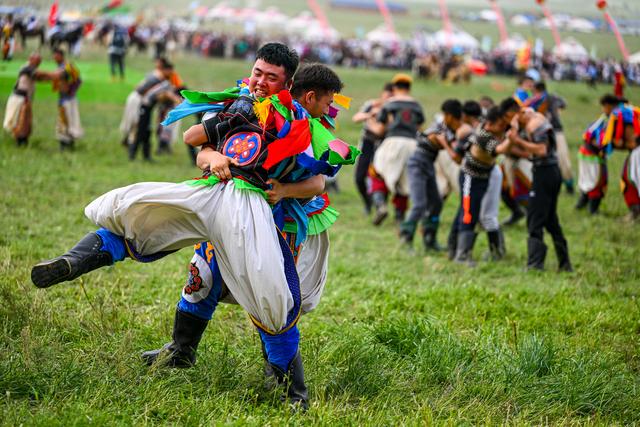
{"x":398,"y":339}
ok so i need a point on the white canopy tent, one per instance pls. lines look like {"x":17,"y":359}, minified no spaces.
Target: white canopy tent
{"x":571,"y":49}
{"x":635,"y":58}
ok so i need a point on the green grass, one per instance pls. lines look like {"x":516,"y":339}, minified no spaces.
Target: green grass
{"x":398,"y":339}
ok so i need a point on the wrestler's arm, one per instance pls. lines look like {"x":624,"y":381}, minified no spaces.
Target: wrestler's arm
{"x":504,"y":147}
{"x":447,"y":147}
{"x":195,"y":136}
{"x":297,"y":190}
{"x":528,"y":147}
{"x":215,"y":162}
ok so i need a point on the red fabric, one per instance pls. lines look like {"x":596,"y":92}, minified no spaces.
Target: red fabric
{"x":376,"y":183}
{"x":601,"y":188}
{"x":53,"y":14}
{"x":619,"y":127}
{"x":401,"y":203}
{"x":629,"y":190}
{"x":618,"y":87}
{"x":279,"y":121}
{"x":296,"y":141}
{"x":285,"y":99}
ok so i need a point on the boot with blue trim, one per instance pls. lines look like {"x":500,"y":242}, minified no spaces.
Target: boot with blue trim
{"x":84,"y":257}
{"x":293,"y":381}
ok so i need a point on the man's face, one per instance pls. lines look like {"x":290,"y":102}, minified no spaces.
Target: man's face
{"x":34,"y":60}
{"x":58,"y":58}
{"x":448,"y":119}
{"x":317,"y":105}
{"x":509,"y":115}
{"x":386,"y":94}
{"x":607,"y":108}
{"x":497,"y":128}
{"x":167,"y":73}
{"x":267,"y":79}
{"x":528,"y":85}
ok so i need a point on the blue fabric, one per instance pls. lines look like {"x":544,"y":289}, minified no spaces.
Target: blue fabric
{"x":317,"y":167}
{"x":204,"y":308}
{"x":186,"y":109}
{"x":113,"y":244}
{"x":294,"y":210}
{"x":521,"y":94}
{"x":281,"y":348}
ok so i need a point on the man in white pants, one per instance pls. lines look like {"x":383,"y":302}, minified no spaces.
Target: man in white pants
{"x":148,"y":219}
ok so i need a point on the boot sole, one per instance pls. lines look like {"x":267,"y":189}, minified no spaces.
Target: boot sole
{"x":380,"y":218}
{"x":49,"y":273}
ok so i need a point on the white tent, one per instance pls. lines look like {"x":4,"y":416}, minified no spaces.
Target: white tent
{"x":457,"y":38}
{"x":488,"y":15}
{"x":571,"y":49}
{"x":520,"y":21}
{"x":383,"y":36}
{"x":512,"y":44}
{"x":635,"y":58}
{"x":581,"y":25}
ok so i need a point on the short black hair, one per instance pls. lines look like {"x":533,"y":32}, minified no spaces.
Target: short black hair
{"x":165,"y":63}
{"x":404,"y":85}
{"x":388,"y":87}
{"x":509,"y":104}
{"x":609,"y":99}
{"x":540,"y":87}
{"x":493,"y":114}
{"x":524,"y":77}
{"x":453,"y":107}
{"x":58,"y":51}
{"x":488,"y":99}
{"x":281,"y":55}
{"x":315,"y":77}
{"x":472,"y":108}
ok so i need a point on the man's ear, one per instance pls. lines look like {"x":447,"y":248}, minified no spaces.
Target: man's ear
{"x":309,"y":97}
{"x":288,"y":84}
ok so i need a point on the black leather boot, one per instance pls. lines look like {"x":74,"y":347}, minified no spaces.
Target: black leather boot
{"x":293,"y":380}
{"x":582,"y":201}
{"x":562,"y":253}
{"x":452,"y":243}
{"x":536,"y":253}
{"x":514,"y":207}
{"x":429,"y":235}
{"x":496,"y":244}
{"x":181,"y":351}
{"x":594,"y":204}
{"x":380,"y":202}
{"x":464,"y":249}
{"x":84,"y":257}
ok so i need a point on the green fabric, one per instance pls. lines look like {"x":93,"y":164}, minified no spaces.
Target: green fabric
{"x":284,"y":111}
{"x":196,"y":97}
{"x":592,"y":159}
{"x":239,"y":183}
{"x":317,"y":223}
{"x":336,"y":159}
{"x":320,"y":137}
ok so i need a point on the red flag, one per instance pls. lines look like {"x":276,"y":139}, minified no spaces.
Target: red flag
{"x":53,"y":14}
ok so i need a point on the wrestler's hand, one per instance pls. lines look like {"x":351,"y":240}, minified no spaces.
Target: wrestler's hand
{"x":217,"y":163}
{"x":277,"y":191}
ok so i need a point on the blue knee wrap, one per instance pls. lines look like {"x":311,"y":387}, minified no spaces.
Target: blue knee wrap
{"x":281,"y":348}
{"x":112,"y":243}
{"x":207,"y":285}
